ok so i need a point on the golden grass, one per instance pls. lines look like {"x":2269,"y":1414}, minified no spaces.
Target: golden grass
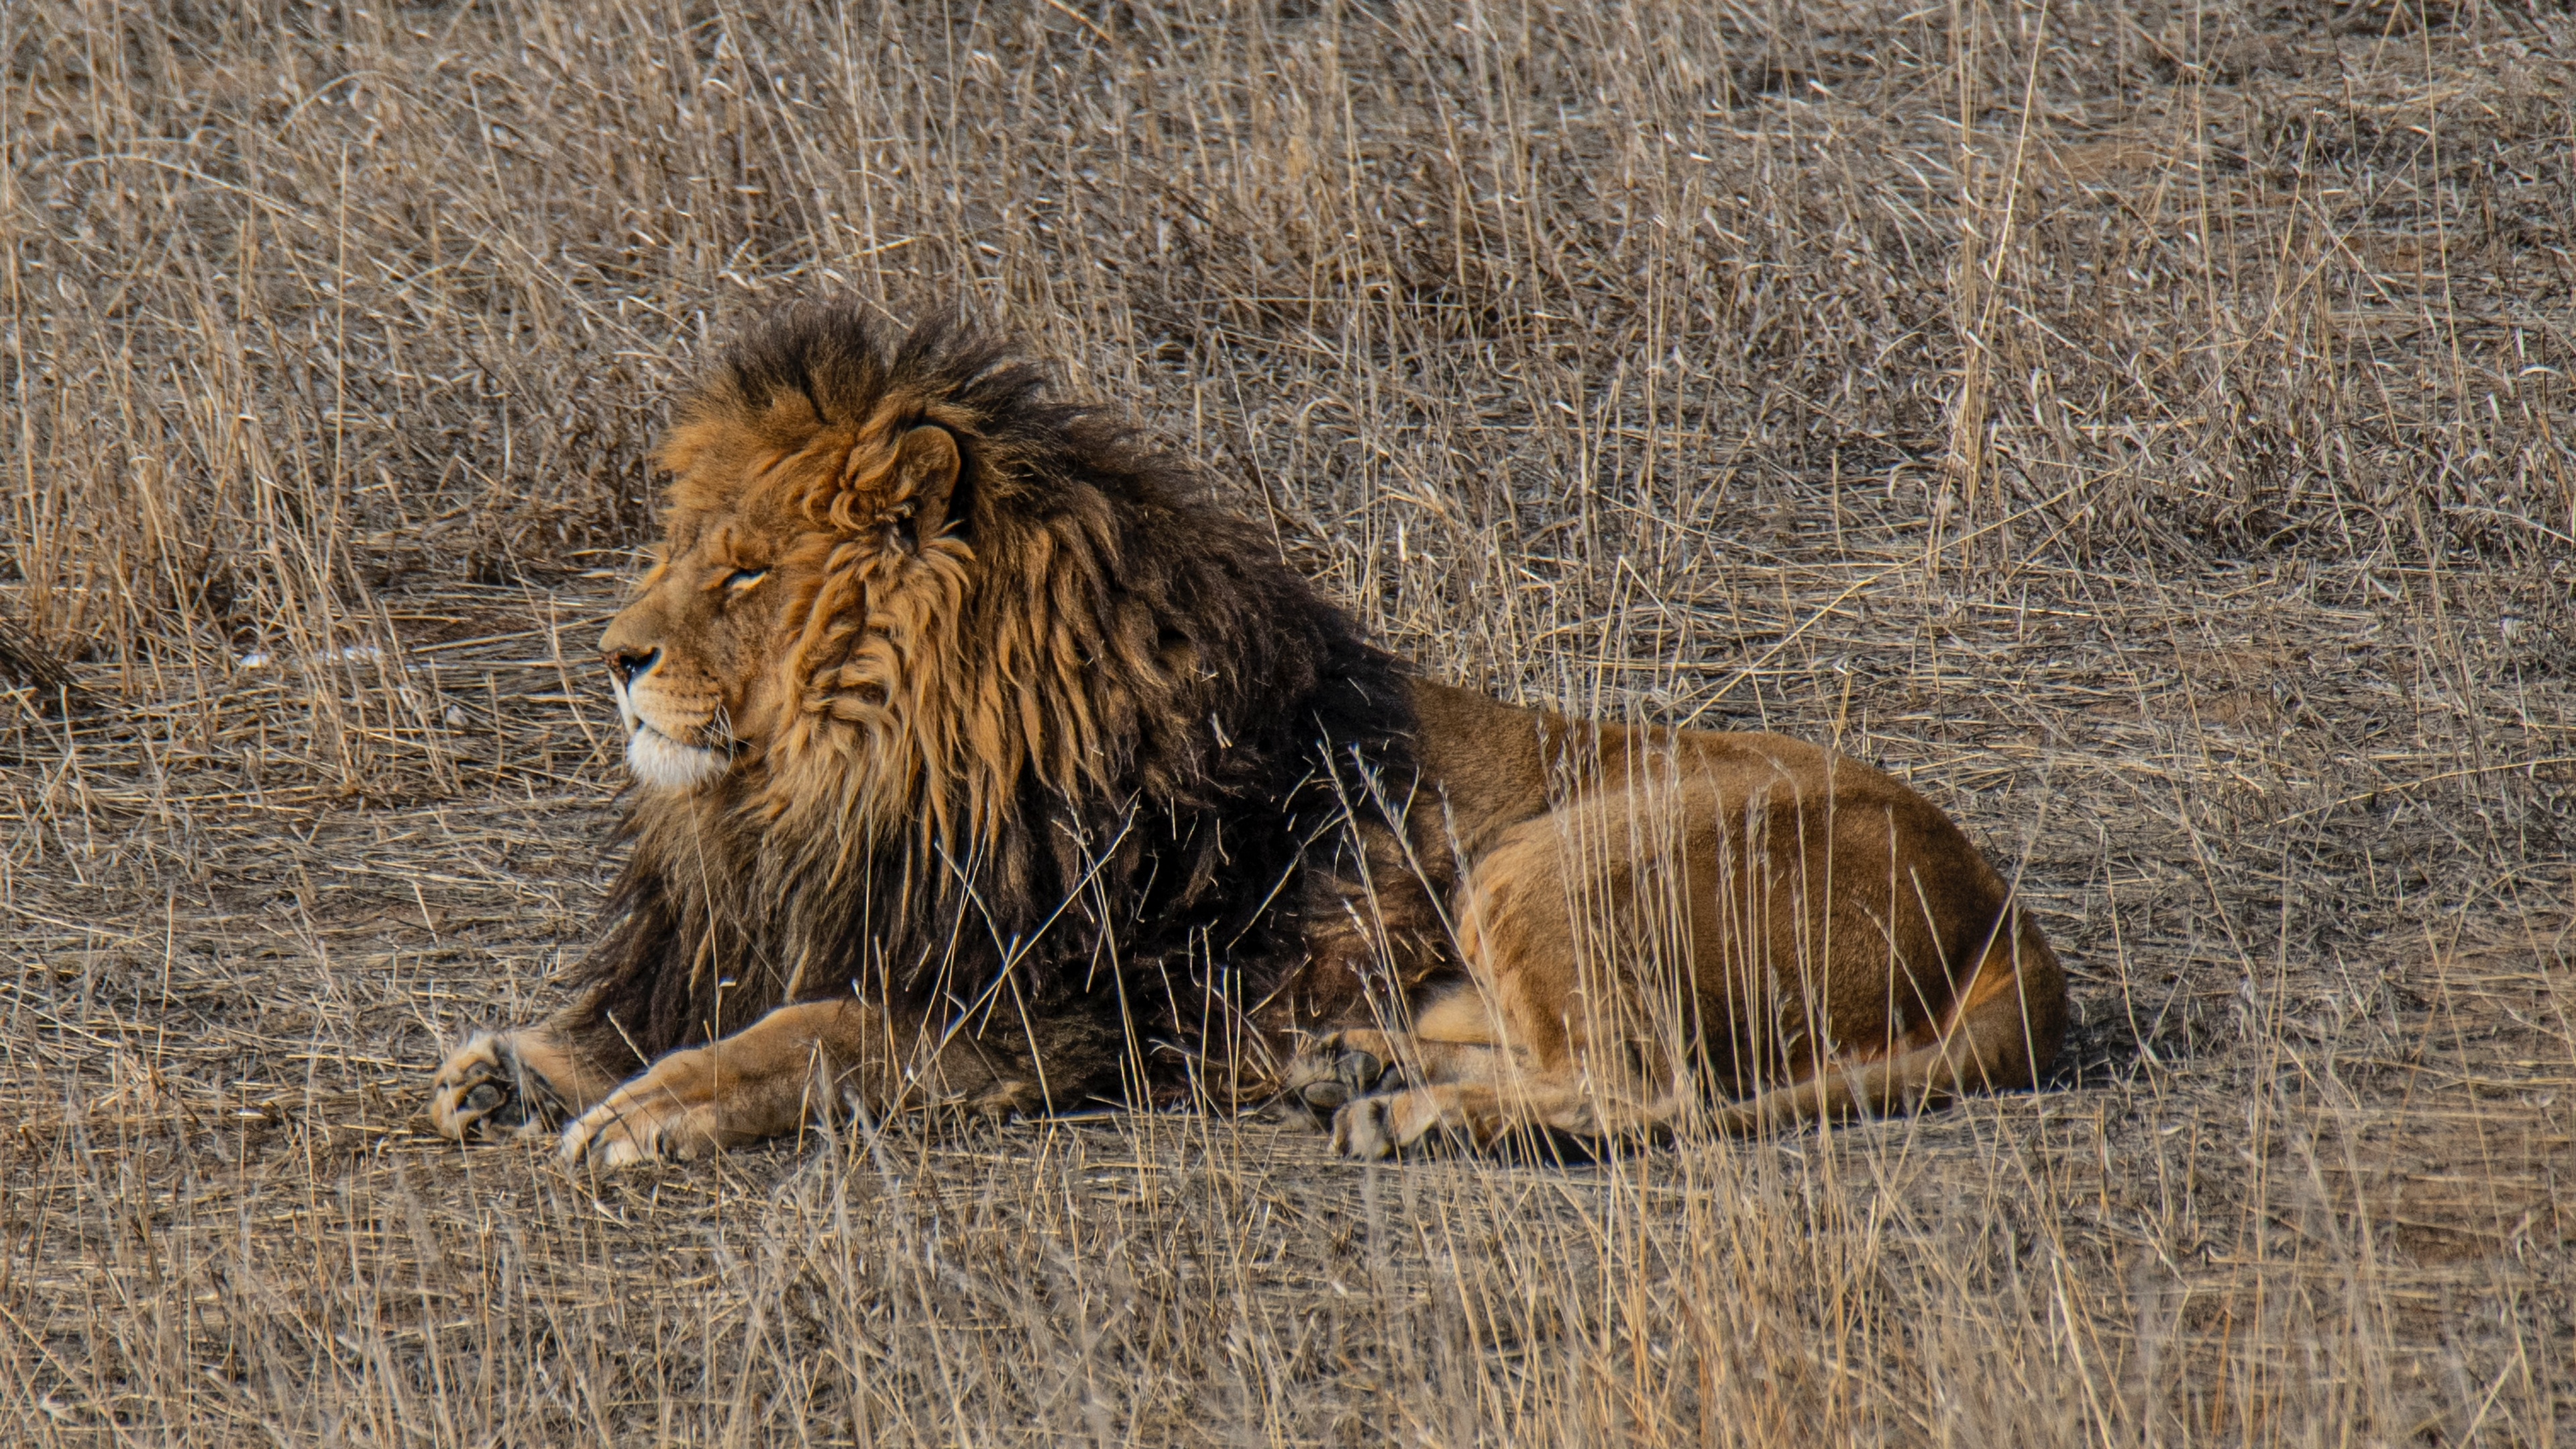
{"x":2146,"y":426}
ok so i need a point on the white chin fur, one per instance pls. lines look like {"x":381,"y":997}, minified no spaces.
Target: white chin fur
{"x":660,"y":762}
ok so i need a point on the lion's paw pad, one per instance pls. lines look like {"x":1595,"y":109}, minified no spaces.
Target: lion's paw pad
{"x":485,"y":1093}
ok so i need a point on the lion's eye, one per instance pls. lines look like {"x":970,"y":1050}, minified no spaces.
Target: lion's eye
{"x":745,"y":578}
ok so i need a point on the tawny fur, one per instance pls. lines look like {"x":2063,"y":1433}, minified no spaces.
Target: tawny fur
{"x":980,"y":764}
{"x":1659,"y":927}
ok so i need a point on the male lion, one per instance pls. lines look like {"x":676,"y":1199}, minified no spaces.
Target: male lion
{"x":977,"y":760}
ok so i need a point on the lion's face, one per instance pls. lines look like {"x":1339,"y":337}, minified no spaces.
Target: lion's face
{"x":778,"y":607}
{"x":688,"y":658}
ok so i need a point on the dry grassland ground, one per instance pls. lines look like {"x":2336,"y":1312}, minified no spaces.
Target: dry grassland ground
{"x":2149,"y":428}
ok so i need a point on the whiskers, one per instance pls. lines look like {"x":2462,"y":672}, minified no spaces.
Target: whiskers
{"x":660,"y":760}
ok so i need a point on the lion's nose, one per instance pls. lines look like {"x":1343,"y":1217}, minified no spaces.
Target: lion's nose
{"x":628,"y":663}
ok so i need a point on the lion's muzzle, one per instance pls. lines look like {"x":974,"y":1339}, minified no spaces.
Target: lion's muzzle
{"x":661,"y":752}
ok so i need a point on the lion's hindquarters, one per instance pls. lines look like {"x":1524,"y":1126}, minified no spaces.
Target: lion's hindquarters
{"x":2001,"y":1034}
{"x":1800,"y":948}
{"x":1838,"y":927}
{"x":2011,"y":1015}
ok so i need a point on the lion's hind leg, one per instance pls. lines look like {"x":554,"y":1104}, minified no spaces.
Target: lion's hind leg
{"x":1358,"y":1062}
{"x":1457,"y":1037}
{"x":1483,"y":1113}
{"x":502,"y":1085}
{"x":1461,"y":1073}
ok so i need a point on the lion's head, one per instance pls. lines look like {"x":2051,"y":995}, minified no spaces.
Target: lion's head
{"x":796,"y":549}
{"x":802,"y":643}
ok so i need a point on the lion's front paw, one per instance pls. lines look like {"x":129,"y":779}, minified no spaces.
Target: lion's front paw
{"x":487,"y":1091}
{"x":660,"y":1114}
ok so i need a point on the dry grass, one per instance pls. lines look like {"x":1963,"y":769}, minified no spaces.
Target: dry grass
{"x":2147,"y":426}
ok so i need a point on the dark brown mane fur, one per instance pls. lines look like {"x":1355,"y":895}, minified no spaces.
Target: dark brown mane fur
{"x":1142,"y":727}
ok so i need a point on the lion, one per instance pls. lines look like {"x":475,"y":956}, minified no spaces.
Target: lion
{"x":980,"y":760}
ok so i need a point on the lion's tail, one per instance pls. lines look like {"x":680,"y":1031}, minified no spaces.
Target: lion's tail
{"x":2001,"y":1033}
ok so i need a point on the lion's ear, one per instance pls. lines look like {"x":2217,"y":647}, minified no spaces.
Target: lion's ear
{"x":926,"y":465}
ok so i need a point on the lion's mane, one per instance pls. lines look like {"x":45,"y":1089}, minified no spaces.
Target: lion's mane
{"x":1056,"y":794}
